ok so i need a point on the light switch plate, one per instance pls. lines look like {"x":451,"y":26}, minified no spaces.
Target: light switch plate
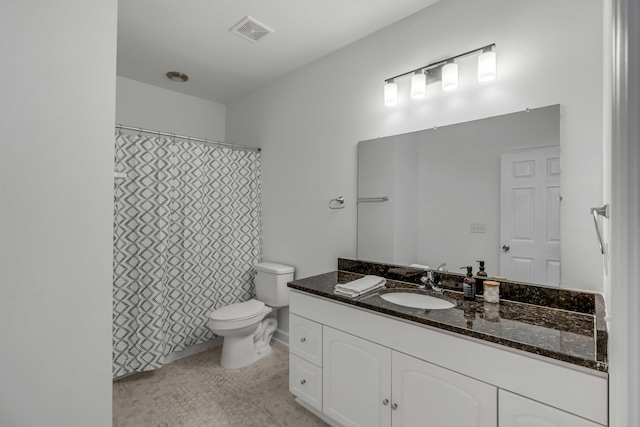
{"x":478,"y":228}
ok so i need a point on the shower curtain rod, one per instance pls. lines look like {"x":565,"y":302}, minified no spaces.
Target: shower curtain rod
{"x":188,"y":138}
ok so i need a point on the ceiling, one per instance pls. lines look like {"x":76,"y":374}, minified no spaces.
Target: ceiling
{"x":193,"y":37}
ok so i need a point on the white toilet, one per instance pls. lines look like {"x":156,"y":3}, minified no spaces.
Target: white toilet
{"x":247,"y":327}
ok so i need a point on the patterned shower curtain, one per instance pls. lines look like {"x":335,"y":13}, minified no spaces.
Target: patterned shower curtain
{"x":186,"y":234}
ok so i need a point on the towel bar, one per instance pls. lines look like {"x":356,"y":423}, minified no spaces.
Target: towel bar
{"x":373,"y":199}
{"x":604,"y":211}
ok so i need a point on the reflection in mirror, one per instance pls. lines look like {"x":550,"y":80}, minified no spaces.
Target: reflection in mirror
{"x":482,"y":190}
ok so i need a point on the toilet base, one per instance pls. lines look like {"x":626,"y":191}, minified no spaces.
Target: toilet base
{"x":241,"y":351}
{"x":238,"y":352}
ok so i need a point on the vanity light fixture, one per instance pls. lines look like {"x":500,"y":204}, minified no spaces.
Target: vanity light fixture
{"x":445,"y":71}
{"x":450,"y":76}
{"x":418,"y":85}
{"x":487,"y":65}
{"x":390,"y":93}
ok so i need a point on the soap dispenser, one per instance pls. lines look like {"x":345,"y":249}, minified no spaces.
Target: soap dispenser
{"x":469,"y":284}
{"x":481,"y":272}
{"x":481,"y":277}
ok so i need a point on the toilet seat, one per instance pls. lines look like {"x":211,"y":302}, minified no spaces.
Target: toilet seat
{"x":238,"y":315}
{"x":238,"y":311}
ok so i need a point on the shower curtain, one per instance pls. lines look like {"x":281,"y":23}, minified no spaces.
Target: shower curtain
{"x":186,"y":234}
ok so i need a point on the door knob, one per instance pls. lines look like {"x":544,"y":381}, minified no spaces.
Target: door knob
{"x":505,"y":248}
{"x":303,"y":339}
{"x":303,"y":382}
{"x":385,"y":402}
{"x":394,"y":406}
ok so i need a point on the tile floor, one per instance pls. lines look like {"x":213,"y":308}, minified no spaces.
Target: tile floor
{"x":196,"y":391}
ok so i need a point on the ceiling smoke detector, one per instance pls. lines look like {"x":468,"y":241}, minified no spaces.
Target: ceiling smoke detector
{"x":250,"y":29}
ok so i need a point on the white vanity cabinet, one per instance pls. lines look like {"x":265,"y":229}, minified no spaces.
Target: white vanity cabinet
{"x":378,"y":370}
{"x":369,"y":385}
{"x":518,"y":411}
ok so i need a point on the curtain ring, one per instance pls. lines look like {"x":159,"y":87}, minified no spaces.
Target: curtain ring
{"x":140,"y":133}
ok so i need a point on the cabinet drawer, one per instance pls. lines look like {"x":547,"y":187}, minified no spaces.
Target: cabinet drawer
{"x":305,"y":339}
{"x":305,"y":381}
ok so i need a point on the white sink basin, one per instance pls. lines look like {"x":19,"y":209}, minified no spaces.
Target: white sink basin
{"x":409,"y":299}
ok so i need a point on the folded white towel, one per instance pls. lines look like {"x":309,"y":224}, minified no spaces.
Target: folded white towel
{"x":424,"y":267}
{"x":360,"y":286}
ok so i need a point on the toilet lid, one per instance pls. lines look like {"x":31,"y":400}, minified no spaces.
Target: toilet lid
{"x":238,"y":311}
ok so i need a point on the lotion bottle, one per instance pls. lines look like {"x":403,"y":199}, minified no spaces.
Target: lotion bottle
{"x":469,"y":284}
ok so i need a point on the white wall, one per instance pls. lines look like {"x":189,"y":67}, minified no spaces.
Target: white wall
{"x":56,"y":203}
{"x":309,"y":122}
{"x":154,"y":108}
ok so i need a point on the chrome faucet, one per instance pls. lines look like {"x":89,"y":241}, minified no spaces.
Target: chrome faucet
{"x":430,"y":280}
{"x":441,"y":267}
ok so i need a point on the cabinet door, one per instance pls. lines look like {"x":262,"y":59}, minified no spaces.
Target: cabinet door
{"x":356,"y":380}
{"x":428,"y":395}
{"x":518,"y":411}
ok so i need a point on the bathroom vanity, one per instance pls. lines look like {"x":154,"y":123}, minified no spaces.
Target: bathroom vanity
{"x":368,"y":362}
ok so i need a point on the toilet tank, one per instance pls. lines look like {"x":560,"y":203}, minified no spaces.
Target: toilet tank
{"x":271,"y":283}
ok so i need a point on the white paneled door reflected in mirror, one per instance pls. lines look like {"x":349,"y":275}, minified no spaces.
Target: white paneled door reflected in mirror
{"x":464,"y":192}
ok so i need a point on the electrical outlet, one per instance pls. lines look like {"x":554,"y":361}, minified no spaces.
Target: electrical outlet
{"x":478,"y":228}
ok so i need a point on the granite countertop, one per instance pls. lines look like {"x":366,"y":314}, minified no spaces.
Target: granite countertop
{"x":563,"y":335}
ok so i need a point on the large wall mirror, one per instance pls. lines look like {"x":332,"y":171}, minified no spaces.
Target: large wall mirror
{"x":482,"y":190}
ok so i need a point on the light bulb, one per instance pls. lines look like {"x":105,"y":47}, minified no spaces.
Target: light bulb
{"x":390,"y":94}
{"x":450,"y":76}
{"x":487,"y":66}
{"x":418,"y":85}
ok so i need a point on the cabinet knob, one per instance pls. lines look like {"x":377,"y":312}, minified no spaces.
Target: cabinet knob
{"x":303,"y":382}
{"x":394,"y":406}
{"x":385,"y":402}
{"x":303,"y":339}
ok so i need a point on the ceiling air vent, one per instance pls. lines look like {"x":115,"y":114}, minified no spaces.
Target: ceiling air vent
{"x":250,"y":29}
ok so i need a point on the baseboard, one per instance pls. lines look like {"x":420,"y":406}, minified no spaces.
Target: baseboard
{"x":282,"y":336}
{"x":215,"y":342}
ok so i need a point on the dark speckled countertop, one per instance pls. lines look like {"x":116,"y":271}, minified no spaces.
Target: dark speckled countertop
{"x":564,"y":335}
